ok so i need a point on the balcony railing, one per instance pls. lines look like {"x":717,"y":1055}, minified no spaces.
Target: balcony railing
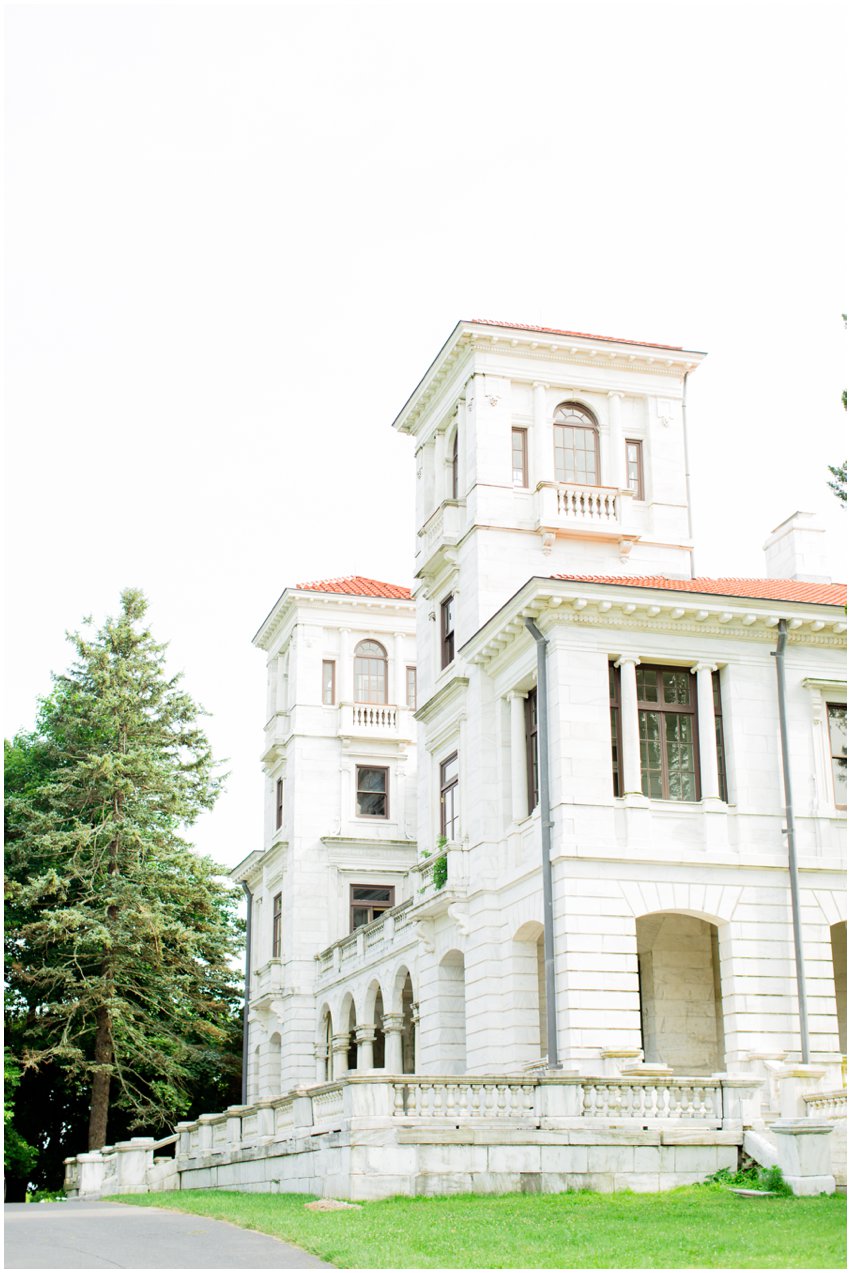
{"x":442,"y":530}
{"x":597,"y":510}
{"x":366,"y":944}
{"x":437,"y":885}
{"x":375,"y":720}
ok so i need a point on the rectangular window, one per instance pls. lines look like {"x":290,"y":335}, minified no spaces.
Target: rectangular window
{"x":719,"y":737}
{"x":531,"y":711}
{"x":372,"y":792}
{"x":411,"y":686}
{"x":635,"y":467}
{"x":329,"y":696}
{"x":667,"y":730}
{"x":279,"y":804}
{"x":276,"y":925}
{"x":449,"y":808}
{"x":368,"y":901}
{"x":837,"y":725}
{"x":615,"y":724}
{"x":447,"y":631}
{"x":519,"y":457}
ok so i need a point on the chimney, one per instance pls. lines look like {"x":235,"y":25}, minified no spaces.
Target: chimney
{"x":795,"y":550}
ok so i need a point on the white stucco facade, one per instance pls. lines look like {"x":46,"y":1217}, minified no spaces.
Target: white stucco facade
{"x":671,"y":907}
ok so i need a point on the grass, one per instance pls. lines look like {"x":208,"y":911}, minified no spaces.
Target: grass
{"x":700,"y":1226}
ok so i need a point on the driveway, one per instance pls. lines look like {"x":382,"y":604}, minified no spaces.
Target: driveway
{"x":107,"y":1235}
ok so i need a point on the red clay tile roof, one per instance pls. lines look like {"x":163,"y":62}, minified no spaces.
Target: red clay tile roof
{"x":557,"y":331}
{"x":823,"y":594}
{"x":358,"y":586}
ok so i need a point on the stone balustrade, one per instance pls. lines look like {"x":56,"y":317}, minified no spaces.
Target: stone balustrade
{"x":366,"y":945}
{"x":596,"y":509}
{"x":375,"y":720}
{"x":432,"y":894}
{"x":827,"y":1104}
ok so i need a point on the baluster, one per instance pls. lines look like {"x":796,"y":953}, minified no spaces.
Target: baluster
{"x":398,"y":1101}
{"x":426,"y":1102}
{"x":451,"y":1090}
{"x":589,"y":1099}
{"x":664,"y":1100}
{"x":476,"y":1100}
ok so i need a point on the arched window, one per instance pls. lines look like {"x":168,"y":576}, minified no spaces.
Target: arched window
{"x":577,"y":445}
{"x":453,"y":490}
{"x":370,"y":673}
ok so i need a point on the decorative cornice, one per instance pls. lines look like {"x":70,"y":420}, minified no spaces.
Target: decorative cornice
{"x":293,"y":598}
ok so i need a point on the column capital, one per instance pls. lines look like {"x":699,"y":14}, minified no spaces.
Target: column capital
{"x":627,"y":659}
{"x":393,"y":1022}
{"x":365,"y":1034}
{"x":340,"y":1042}
{"x":540,"y":384}
{"x":615,"y":393}
{"x":704,"y":665}
{"x":513,"y":694}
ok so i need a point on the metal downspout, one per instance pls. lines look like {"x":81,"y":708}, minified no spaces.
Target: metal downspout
{"x":248,"y":910}
{"x":688,"y":479}
{"x":553,"y":1062}
{"x":780,"y":654}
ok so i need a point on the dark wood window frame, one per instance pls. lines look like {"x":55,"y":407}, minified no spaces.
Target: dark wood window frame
{"x":720,"y":753}
{"x":411,"y":686}
{"x":277,"y":924}
{"x":329,"y":692}
{"x":584,"y":420}
{"x":373,"y":906}
{"x":837,"y":761}
{"x":447,"y":630}
{"x":279,"y":804}
{"x":662,"y":709}
{"x":520,"y":457}
{"x":615,"y":726}
{"x":366,"y":656}
{"x":449,"y":804}
{"x":637,"y":487}
{"x":530,"y":714}
{"x":368,"y":791}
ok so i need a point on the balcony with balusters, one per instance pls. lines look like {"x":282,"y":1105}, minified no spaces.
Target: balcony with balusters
{"x":597,"y":512}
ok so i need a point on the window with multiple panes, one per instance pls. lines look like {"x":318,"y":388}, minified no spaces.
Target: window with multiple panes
{"x":370,"y":672}
{"x":447,"y":631}
{"x":372,"y":791}
{"x":279,"y":804}
{"x":454,"y":466}
{"x":368,"y":901}
{"x":277,"y":911}
{"x":531,"y":710}
{"x":411,"y":686}
{"x":837,"y":726}
{"x":449,"y":805}
{"x":615,"y":726}
{"x":719,"y":737}
{"x":519,"y":457}
{"x":329,"y":678}
{"x":577,"y":445}
{"x":667,"y":729}
{"x":635,"y":467}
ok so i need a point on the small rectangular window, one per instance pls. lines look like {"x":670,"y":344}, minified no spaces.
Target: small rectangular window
{"x":837,"y":725}
{"x":411,"y":686}
{"x":368,"y":902}
{"x":279,"y":804}
{"x":329,"y":696}
{"x":615,"y":725}
{"x":635,"y":467}
{"x":449,"y":809}
{"x":372,"y":791}
{"x":531,"y":708}
{"x":277,"y":909}
{"x":447,"y":631}
{"x":519,"y":457}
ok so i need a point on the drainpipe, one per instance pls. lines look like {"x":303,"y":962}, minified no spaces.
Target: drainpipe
{"x":249,"y":899}
{"x":688,"y":479}
{"x":553,"y":1062}
{"x":780,"y":654}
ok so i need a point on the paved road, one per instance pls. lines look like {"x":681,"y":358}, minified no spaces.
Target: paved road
{"x":107,"y":1235}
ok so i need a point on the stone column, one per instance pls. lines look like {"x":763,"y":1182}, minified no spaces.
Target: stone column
{"x":630,"y":743}
{"x":617,"y":456}
{"x":365,"y":1037}
{"x":393,"y":1023}
{"x":345,"y":681}
{"x":541,"y":460}
{"x":321,"y":1063}
{"x":706,"y":732}
{"x":519,"y":791}
{"x":441,"y":491}
{"x":340,"y":1054}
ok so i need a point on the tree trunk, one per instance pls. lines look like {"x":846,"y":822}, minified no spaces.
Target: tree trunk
{"x":100,"y":1083}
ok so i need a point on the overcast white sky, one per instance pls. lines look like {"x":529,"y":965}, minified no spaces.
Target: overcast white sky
{"x":237,"y":235}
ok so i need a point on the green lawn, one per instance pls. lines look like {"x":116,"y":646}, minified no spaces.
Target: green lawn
{"x":701,"y":1226}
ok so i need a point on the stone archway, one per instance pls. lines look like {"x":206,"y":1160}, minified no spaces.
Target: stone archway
{"x":452,"y":1013}
{"x":528,"y":994}
{"x":679,"y":976}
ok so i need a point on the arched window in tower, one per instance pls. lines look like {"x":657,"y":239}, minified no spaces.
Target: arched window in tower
{"x":577,"y":445}
{"x":370,"y":673}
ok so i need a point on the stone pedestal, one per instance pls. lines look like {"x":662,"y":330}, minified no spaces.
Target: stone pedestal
{"x":792,"y":1082}
{"x":803,"y":1155}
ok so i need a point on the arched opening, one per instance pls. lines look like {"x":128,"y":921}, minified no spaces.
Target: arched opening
{"x":839,"y":948}
{"x":352,"y":1055}
{"x":452,"y":1014}
{"x":679,"y":979}
{"x":254,"y":1077}
{"x":370,"y":672}
{"x":273,"y":1083}
{"x":324,"y":1051}
{"x":409,"y":1045}
{"x":378,"y":1049}
{"x":528,"y":993}
{"x":576,"y":440}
